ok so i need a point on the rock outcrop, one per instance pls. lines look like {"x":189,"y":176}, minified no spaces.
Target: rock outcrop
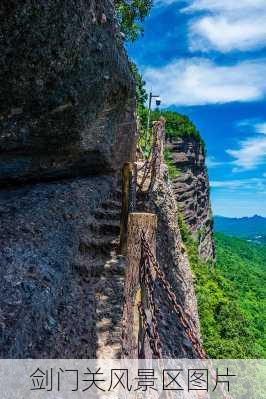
{"x":66,"y":115}
{"x":173,"y":261}
{"x":67,"y":124}
{"x":54,"y":247}
{"x":67,"y":95}
{"x":191,"y":188}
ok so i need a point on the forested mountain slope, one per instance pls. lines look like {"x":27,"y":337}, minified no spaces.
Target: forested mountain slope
{"x":251,"y":228}
{"x":232,"y":298}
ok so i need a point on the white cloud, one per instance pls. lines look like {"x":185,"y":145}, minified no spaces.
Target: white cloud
{"x":252,"y":151}
{"x":250,"y":155}
{"x":231,"y":184}
{"x":255,"y":125}
{"x":199,"y":81}
{"x":250,"y":123}
{"x":227,"y":33}
{"x":261,"y":127}
{"x":229,"y":25}
{"x":212,"y":163}
{"x":256,"y":184}
{"x":224,"y":5}
{"x":165,"y":2}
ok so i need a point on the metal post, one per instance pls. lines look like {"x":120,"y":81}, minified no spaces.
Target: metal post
{"x":128,"y":201}
{"x":158,"y":102}
{"x":148,"y":122}
{"x":132,"y":189}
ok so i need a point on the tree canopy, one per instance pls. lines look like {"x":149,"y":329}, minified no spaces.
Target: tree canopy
{"x":131,"y":14}
{"x":231,"y":297}
{"x":141,"y":93}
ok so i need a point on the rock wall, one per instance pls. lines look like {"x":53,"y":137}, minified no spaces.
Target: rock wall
{"x":191,"y":189}
{"x":172,"y":258}
{"x":67,"y":114}
{"x":48,"y":257}
{"x":67,"y":95}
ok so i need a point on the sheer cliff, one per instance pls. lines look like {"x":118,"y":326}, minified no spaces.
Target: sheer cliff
{"x":67,"y":125}
{"x":67,"y":95}
{"x":191,"y":188}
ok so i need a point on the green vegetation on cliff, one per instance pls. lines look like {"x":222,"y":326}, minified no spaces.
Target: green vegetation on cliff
{"x":131,"y":14}
{"x":176,"y":126}
{"x":173,"y":171}
{"x":231,"y":297}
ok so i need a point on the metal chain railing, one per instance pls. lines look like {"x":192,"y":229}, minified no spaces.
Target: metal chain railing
{"x":147,"y":171}
{"x":152,"y":340}
{"x":150,"y":163}
{"x":146,"y":282}
{"x":147,"y":264}
{"x":150,"y":263}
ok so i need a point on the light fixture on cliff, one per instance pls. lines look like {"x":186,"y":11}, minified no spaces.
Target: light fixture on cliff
{"x":158,"y":103}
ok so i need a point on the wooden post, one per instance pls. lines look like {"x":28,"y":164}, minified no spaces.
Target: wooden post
{"x":132,"y":191}
{"x":128,"y":201}
{"x":158,"y":150}
{"x":135,"y":343}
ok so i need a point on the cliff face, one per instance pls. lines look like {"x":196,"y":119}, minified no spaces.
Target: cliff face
{"x":66,"y":111}
{"x":52,"y":255}
{"x":67,"y":95}
{"x":67,"y":124}
{"x":173,"y":261}
{"x":191,"y":189}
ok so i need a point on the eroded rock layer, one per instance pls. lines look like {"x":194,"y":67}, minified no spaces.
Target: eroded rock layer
{"x":67,"y":113}
{"x":67,"y":95}
{"x":173,"y":261}
{"x":191,"y":188}
{"x":61,"y":282}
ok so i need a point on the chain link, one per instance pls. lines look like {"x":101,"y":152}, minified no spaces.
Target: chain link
{"x":148,"y":165}
{"x":150,"y":260}
{"x":152,"y":341}
{"x":147,"y":283}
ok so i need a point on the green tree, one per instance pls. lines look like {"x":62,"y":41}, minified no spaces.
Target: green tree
{"x":177,"y":125}
{"x":131,"y":14}
{"x":231,"y":296}
{"x":141,"y":94}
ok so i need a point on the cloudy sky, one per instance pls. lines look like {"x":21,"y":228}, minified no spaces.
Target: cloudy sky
{"x":207,"y":59}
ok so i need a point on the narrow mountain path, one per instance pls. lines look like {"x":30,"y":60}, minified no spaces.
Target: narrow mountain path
{"x":106,"y":270}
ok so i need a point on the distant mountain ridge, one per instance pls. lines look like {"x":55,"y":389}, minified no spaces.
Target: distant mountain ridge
{"x":251,"y":228}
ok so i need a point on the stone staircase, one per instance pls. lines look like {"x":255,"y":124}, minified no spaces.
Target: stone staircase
{"x":104,"y":270}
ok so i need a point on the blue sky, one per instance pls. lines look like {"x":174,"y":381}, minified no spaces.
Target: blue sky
{"x":207,"y":59}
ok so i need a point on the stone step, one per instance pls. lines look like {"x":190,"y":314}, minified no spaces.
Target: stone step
{"x":106,"y":227}
{"x":108,"y":270}
{"x":87,"y":268}
{"x":111,"y":204}
{"x":115,"y":266}
{"x":100,"y":245}
{"x":110,"y":214}
{"x":117,"y":195}
{"x":109,"y":313}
